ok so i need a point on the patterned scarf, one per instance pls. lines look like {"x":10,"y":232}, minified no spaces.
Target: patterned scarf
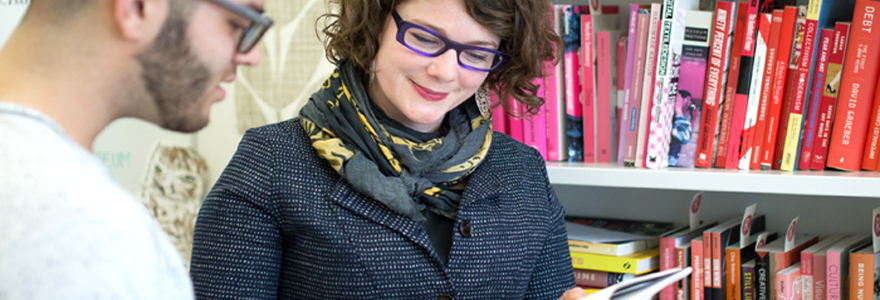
{"x":389,"y":164}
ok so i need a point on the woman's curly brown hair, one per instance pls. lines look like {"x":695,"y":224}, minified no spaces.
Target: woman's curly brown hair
{"x":524,"y":26}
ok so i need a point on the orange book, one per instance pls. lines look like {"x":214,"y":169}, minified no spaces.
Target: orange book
{"x":862,"y":263}
{"x":857,"y":84}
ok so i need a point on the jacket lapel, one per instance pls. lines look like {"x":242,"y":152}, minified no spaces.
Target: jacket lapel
{"x":364,"y":206}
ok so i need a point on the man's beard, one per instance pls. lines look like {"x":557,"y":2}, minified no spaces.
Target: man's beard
{"x":174,"y":77}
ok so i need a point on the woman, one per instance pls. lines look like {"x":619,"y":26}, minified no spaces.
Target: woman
{"x":391,"y":184}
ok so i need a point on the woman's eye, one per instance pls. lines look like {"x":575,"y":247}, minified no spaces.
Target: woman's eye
{"x":425,"y":39}
{"x":236,"y":26}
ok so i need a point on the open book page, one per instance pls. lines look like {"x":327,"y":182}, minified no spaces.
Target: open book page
{"x":642,"y":287}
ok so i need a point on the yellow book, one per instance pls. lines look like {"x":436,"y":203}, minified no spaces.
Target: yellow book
{"x":636,"y":263}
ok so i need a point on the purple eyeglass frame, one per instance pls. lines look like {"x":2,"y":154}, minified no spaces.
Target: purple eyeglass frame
{"x":402,"y":26}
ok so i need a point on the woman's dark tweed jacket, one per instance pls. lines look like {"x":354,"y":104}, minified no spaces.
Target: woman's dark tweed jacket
{"x":281,"y":224}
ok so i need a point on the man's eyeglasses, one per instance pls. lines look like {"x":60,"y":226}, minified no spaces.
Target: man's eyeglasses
{"x":429,"y":43}
{"x":259,"y":24}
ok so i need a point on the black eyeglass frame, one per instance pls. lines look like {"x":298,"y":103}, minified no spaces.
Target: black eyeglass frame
{"x":259,"y":24}
{"x":403,"y":26}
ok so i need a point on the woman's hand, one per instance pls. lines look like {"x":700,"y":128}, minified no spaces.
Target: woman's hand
{"x":573,"y":294}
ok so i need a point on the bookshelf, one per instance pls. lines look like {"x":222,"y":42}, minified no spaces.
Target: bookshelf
{"x":827,"y":202}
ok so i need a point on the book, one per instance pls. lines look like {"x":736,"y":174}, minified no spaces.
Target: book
{"x":773,"y":257}
{"x":555,"y":82}
{"x":857,"y":84}
{"x":830,"y":94}
{"x":499,"y":116}
{"x":732,"y":82}
{"x":788,"y":284}
{"x":784,"y":59}
{"x":813,"y":268}
{"x":606,"y":101}
{"x":759,"y":59}
{"x":637,"y":263}
{"x":636,"y":100}
{"x":716,"y":80}
{"x":688,"y":102}
{"x":682,"y":253}
{"x":625,"y":116}
{"x":696,"y":291}
{"x":647,"y":81}
{"x":872,"y":140}
{"x":837,"y":266}
{"x":514,"y":124}
{"x":571,"y":40}
{"x":666,"y":80}
{"x":614,"y":237}
{"x":599,"y":279}
{"x":863,"y":266}
{"x":588,"y":86}
{"x":639,"y":288}
{"x":748,"y":279}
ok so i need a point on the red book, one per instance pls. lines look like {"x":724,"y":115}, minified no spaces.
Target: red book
{"x":716,"y":79}
{"x":791,"y":82}
{"x":869,"y":159}
{"x":829,"y":96}
{"x":587,"y":94}
{"x":770,"y":69}
{"x":785,"y":46}
{"x":857,"y":84}
{"x":514,"y":124}
{"x":732,"y":81}
{"x":810,"y":126}
{"x":499,"y":116}
{"x":535,"y":127}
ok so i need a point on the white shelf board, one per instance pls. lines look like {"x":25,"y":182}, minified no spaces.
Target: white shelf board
{"x":813,"y":183}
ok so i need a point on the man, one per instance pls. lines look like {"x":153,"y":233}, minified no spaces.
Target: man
{"x":67,"y":229}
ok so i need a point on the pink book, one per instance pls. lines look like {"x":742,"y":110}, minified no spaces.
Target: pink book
{"x":838,"y":266}
{"x":625,"y":116}
{"x":554,"y":92}
{"x":588,"y":92}
{"x":788,"y":283}
{"x":573,"y":102}
{"x":534,"y":127}
{"x":606,"y":55}
{"x":514,"y":124}
{"x":647,"y":80}
{"x":635,"y":96}
{"x":621,"y":70}
{"x":499,"y":116}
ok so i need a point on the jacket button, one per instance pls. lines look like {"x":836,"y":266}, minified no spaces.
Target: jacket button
{"x":445,"y":297}
{"x":466,"y":228}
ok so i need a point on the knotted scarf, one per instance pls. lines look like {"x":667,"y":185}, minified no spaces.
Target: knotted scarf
{"x":386,"y":163}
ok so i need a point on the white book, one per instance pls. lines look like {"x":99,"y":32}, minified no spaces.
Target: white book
{"x":642,"y":287}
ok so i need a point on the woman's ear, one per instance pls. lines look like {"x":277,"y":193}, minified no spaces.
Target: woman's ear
{"x":140,"y":21}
